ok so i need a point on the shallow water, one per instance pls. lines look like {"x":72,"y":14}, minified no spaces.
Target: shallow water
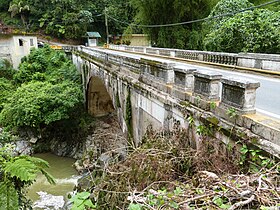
{"x":62,"y":170}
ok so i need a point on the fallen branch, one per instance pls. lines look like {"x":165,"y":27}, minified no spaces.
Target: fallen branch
{"x":242,"y":203}
{"x":197,"y":198}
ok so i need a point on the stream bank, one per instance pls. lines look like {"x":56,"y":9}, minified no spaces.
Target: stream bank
{"x":70,"y":161}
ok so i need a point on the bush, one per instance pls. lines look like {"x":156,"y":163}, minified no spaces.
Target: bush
{"x":37,"y":104}
{"x":255,"y":31}
{"x":6,"y":89}
{"x":6,"y":69}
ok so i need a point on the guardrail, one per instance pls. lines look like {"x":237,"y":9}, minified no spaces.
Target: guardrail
{"x":269,"y":62}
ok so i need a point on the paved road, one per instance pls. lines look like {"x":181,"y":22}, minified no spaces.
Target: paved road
{"x":268,"y":94}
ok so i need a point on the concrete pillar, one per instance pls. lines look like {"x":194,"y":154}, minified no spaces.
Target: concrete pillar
{"x":207,"y":85}
{"x":169,"y":75}
{"x":239,"y":94}
{"x":172,"y":54}
{"x":183,"y":83}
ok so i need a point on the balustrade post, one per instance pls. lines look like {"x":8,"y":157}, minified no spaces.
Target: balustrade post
{"x":239,"y":94}
{"x":207,"y":85}
{"x":183,"y":83}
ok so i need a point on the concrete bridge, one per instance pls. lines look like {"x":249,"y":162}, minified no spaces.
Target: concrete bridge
{"x":150,"y":94}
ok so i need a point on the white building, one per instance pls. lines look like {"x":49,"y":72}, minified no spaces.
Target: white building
{"x":15,"y":47}
{"x":92,"y":38}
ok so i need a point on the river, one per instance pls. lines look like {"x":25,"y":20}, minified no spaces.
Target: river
{"x":61,"y":168}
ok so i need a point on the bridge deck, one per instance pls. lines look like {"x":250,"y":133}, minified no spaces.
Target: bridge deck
{"x":268,"y":100}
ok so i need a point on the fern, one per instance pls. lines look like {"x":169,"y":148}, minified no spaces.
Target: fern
{"x":26,"y":168}
{"x":8,"y":196}
{"x":16,"y":173}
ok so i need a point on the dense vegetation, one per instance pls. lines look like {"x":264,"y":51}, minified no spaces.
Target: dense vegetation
{"x":16,"y":174}
{"x":70,"y":19}
{"x":45,"y":92}
{"x":250,"y":31}
{"x":165,"y":172}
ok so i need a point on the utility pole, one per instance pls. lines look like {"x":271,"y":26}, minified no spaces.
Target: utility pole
{"x":106,"y":25}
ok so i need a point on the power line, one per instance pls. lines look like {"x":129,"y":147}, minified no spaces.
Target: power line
{"x":195,"y":21}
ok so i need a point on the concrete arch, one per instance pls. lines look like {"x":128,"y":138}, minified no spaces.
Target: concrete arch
{"x":99,"y":102}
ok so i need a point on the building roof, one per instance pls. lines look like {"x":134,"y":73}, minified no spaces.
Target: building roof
{"x":93,"y":34}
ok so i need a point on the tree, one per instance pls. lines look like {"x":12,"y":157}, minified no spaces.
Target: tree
{"x":4,"y":5}
{"x":6,"y":89}
{"x":20,"y":7}
{"x":158,"y":12}
{"x":49,"y":90}
{"x":255,"y":31}
{"x":37,"y":104}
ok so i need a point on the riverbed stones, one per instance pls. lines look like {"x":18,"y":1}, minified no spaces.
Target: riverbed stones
{"x":49,"y":202}
{"x":106,"y":144}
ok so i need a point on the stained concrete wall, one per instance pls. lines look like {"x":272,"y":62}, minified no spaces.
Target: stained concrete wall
{"x":15,"y":47}
{"x":155,"y":103}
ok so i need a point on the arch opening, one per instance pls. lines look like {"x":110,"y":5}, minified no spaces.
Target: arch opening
{"x":99,"y":102}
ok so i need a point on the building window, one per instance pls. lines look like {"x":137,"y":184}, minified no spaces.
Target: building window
{"x":20,"y":42}
{"x":31,"y":42}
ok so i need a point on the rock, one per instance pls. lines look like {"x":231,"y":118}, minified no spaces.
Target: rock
{"x":33,"y":140}
{"x":49,"y":202}
{"x":23,"y":147}
{"x":104,"y":159}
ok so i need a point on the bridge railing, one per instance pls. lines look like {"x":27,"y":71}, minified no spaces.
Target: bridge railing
{"x":247,"y":60}
{"x":187,"y":84}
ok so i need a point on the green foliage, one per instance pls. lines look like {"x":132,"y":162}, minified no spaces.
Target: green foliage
{"x":16,"y":174}
{"x":81,"y":201}
{"x":40,"y":103}
{"x":68,"y":19}
{"x":221,"y":202}
{"x":6,"y":70}
{"x":46,"y":64}
{"x":256,"y":31}
{"x":4,"y":5}
{"x":226,"y":7}
{"x":231,"y":112}
{"x":190,"y":121}
{"x":155,"y":12}
{"x":253,"y":160}
{"x":7,"y":137}
{"x":49,"y":91}
{"x":20,"y":7}
{"x":134,"y":206}
{"x":6,"y":89}
{"x":6,"y":86}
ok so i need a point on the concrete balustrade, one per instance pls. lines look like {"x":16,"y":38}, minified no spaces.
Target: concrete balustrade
{"x":207,"y":85}
{"x":184,"y":78}
{"x":183,"y":83}
{"x":159,"y":71}
{"x":247,"y":60}
{"x":188,"y":83}
{"x":239,"y":94}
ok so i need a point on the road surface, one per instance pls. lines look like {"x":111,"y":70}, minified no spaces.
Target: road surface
{"x":268,"y":94}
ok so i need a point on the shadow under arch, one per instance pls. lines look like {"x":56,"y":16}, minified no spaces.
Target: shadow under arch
{"x":99,"y":102}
